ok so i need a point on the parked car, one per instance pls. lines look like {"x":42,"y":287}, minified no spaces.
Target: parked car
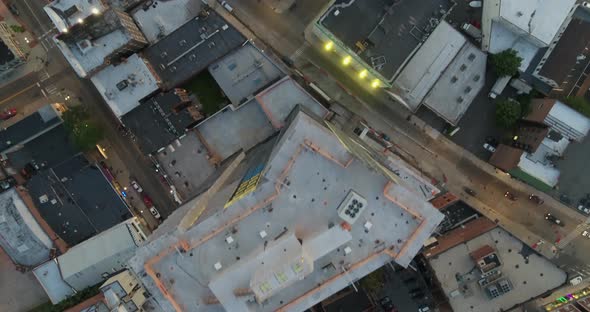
{"x":586,"y":234}
{"x":489,"y":147}
{"x":147,"y":201}
{"x":551,"y":218}
{"x":386,"y":304}
{"x":584,"y":209}
{"x":536,"y":199}
{"x":136,"y":186}
{"x":510,"y":196}
{"x":7,"y":114}
{"x":469,"y":191}
{"x":13,"y":9}
{"x":155,"y":212}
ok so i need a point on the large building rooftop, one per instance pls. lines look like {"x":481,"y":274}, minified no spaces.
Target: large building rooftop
{"x":230,"y":130}
{"x":123,"y":86}
{"x":527,"y":274}
{"x":392,"y":30}
{"x":279,"y":244}
{"x":158,"y":19}
{"x":445,"y":74}
{"x":192,"y":47}
{"x":76,"y":200}
{"x":161,"y":119}
{"x":21,"y":237}
{"x":244,"y":72}
{"x":29,"y":128}
{"x":45,"y":151}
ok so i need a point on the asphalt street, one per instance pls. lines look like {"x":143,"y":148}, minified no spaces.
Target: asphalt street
{"x":57,"y":80}
{"x":439,"y":157}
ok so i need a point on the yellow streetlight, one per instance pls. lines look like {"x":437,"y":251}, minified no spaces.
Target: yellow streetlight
{"x":363,"y":74}
{"x":94,"y":11}
{"x":329,"y":46}
{"x":346,"y":60}
{"x":375,"y":84}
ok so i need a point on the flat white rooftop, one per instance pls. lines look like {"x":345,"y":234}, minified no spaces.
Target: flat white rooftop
{"x":122,"y":86}
{"x":428,"y":64}
{"x":65,"y":13}
{"x":249,"y":247}
{"x":158,"y":19}
{"x":49,"y":276}
{"x":539,"y":18}
{"x":84,"y":62}
{"x":453,"y":92}
{"x":502,"y":38}
{"x":530,"y":276}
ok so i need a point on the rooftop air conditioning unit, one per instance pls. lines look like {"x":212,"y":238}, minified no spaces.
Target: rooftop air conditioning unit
{"x":352,"y":207}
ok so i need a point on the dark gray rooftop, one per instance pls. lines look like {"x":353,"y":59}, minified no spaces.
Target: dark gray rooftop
{"x":394,"y":33}
{"x":192,"y":47}
{"x":29,"y":127}
{"x":76,"y":200}
{"x":5,"y":54}
{"x":159,"y":121}
{"x":48,"y":150}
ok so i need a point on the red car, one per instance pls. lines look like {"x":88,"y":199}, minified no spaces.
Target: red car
{"x":7,"y":114}
{"x":147,"y":201}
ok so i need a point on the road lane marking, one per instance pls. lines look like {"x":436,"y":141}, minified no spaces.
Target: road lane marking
{"x":18,"y":93}
{"x":34,"y":15}
{"x":44,"y":94}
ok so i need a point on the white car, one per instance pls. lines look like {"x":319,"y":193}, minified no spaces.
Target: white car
{"x":586,"y":234}
{"x":489,"y":147}
{"x":584,"y":209}
{"x":155,"y":213}
{"x":136,"y":186}
{"x":586,"y":4}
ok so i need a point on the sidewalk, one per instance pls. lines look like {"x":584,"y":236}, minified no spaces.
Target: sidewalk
{"x":121,"y":181}
{"x":34,"y":55}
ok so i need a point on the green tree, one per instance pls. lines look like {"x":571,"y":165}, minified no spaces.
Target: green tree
{"x":17,"y":28}
{"x":507,"y":113}
{"x":580,"y":104}
{"x":506,"y":63}
{"x":84,"y":132}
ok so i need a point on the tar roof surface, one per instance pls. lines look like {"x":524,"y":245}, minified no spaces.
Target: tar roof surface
{"x":399,"y":34}
{"x":530,"y":277}
{"x":157,"y":19}
{"x":303,"y":186}
{"x":183,"y":53}
{"x":156,"y":122}
{"x":28,"y":127}
{"x":46,"y":151}
{"x":5,"y":54}
{"x":244,"y":72}
{"x":564,"y":65}
{"x":80,"y":201}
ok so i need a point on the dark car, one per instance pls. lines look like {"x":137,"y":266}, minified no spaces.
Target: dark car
{"x":147,"y":201}
{"x":536,"y":199}
{"x":469,"y":191}
{"x":510,"y":196}
{"x":551,"y":218}
{"x":386,"y":304}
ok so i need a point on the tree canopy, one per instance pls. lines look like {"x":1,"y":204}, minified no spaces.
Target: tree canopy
{"x":506,"y":63}
{"x":84,"y":132}
{"x":507,"y":113}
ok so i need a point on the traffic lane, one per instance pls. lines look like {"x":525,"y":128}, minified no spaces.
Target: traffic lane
{"x":33,"y":15}
{"x":138,"y":165}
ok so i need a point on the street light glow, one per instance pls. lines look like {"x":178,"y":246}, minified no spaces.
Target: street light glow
{"x":65,"y":30}
{"x":328,"y":46}
{"x":346,"y":60}
{"x":94,"y":11}
{"x":363,"y":74}
{"x":375,"y":84}
{"x":80,"y":21}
